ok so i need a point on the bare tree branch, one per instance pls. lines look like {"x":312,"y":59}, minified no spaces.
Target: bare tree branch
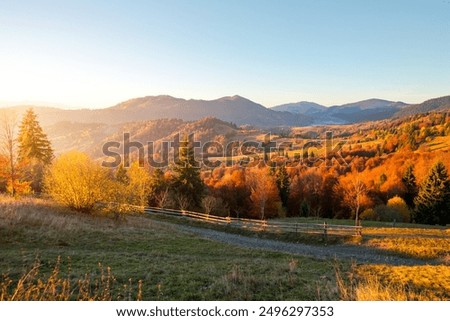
{"x":8,"y":144}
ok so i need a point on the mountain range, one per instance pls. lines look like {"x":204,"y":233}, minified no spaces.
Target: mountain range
{"x":366,"y":110}
{"x":237,"y":110}
{"x":157,"y":118}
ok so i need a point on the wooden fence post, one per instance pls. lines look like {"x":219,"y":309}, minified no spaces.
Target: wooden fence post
{"x":325,"y":231}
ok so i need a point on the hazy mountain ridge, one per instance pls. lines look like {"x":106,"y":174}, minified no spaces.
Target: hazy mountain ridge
{"x":206,"y":129}
{"x":435,"y":104}
{"x":66,"y":136}
{"x":302,"y":107}
{"x":366,"y":110}
{"x":235,"y":109}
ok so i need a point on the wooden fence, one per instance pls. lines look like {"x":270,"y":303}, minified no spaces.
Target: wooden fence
{"x":261,"y":225}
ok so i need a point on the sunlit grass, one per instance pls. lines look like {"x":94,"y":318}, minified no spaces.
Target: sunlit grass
{"x":422,"y":243}
{"x":418,"y":247}
{"x":413,"y":230}
{"x":439,"y":143}
{"x":398,"y":283}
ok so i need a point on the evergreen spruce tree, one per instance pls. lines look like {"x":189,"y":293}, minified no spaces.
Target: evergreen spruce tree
{"x":33,"y":142}
{"x":409,"y":180}
{"x":35,"y":151}
{"x":433,"y":200}
{"x":187,"y":182}
{"x":304,"y":209}
{"x":282,"y":179}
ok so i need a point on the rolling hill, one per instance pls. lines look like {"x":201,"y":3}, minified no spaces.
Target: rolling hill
{"x":90,"y":138}
{"x":303,"y":107}
{"x":436,"y":104}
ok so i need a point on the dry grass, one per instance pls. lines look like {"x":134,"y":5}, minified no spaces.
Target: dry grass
{"x":428,"y":231}
{"x":418,"y":247}
{"x":34,"y":212}
{"x":47,"y":216}
{"x":423,"y":243}
{"x":34,"y":285}
{"x":394,"y":283}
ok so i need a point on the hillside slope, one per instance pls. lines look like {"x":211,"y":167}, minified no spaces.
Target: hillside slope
{"x":436,"y":104}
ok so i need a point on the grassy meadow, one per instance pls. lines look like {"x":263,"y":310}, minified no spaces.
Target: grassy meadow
{"x":51,"y":253}
{"x":169,"y":264}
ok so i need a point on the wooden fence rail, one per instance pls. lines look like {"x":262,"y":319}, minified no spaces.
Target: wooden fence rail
{"x":261,"y":225}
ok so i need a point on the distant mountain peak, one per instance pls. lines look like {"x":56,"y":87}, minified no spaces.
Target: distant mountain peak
{"x":372,"y":103}
{"x":233,"y":98}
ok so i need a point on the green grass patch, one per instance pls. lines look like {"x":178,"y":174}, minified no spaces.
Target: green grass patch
{"x":300,"y":237}
{"x":172,"y":265}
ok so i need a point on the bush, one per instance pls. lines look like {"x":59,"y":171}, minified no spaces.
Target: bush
{"x":369,"y":215}
{"x":395,"y":210}
{"x":77,"y":182}
{"x":398,"y":205}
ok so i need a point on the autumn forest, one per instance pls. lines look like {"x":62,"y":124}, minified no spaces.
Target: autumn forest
{"x":391,"y":170}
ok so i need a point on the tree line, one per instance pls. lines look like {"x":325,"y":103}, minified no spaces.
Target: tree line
{"x":371,"y":188}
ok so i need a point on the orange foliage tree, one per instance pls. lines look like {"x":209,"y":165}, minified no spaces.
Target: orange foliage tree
{"x":353,"y":193}
{"x":230,"y":185}
{"x":264,"y":193}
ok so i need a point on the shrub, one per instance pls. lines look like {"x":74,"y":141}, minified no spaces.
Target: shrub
{"x":398,"y":205}
{"x":386,"y":214}
{"x":369,"y":215}
{"x":77,"y":182}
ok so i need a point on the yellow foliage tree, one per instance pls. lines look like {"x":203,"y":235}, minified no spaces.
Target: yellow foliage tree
{"x":397,"y":204}
{"x":77,"y":182}
{"x":139,"y":185}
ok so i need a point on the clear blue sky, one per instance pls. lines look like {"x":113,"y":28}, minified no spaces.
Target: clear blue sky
{"x":98,"y":53}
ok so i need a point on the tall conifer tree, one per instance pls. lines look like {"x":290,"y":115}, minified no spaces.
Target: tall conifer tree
{"x":187,"y":181}
{"x":433,"y":200}
{"x":409,"y":180}
{"x":34,"y":149}
{"x":33,"y":142}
